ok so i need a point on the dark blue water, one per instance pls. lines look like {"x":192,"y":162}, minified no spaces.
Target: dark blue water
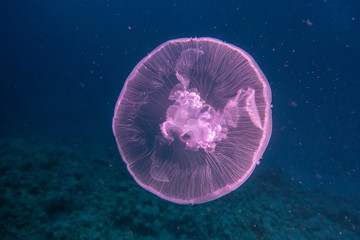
{"x":64,"y":63}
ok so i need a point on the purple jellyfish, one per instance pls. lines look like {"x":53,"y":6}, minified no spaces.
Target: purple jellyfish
{"x":193,"y":119}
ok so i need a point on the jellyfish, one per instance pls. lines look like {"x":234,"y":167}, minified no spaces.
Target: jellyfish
{"x":193,"y":119}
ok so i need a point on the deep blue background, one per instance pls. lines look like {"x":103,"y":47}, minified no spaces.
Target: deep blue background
{"x":63,"y":64}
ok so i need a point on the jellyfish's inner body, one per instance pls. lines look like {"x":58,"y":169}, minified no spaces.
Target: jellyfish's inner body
{"x":196,"y":123}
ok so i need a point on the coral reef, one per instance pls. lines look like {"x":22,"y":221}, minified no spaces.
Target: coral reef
{"x":77,"y":190}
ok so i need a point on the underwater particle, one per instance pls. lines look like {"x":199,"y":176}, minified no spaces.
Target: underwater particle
{"x":193,"y":119}
{"x":308,"y":22}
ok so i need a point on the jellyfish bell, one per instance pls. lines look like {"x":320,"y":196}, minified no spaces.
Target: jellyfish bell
{"x":193,"y":119}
